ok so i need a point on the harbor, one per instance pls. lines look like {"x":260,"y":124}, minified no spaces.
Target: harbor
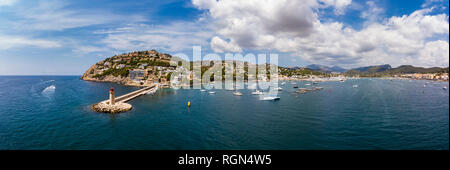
{"x":62,"y":117}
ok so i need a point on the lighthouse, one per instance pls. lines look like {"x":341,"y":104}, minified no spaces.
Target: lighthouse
{"x":111,"y":96}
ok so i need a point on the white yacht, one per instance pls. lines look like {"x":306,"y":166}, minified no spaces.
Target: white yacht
{"x":271,"y":98}
{"x":237,"y":93}
{"x":257,"y":92}
{"x":212,"y":92}
{"x":202,"y":90}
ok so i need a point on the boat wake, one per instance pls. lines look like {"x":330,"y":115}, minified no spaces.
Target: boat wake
{"x":49,"y":89}
{"x":48,"y":81}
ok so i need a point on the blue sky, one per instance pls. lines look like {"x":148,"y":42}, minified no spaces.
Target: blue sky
{"x":62,"y":37}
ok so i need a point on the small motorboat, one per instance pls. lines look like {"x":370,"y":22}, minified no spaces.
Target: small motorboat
{"x":283,"y":83}
{"x":295,"y":86}
{"x":212,"y":92}
{"x":257,"y":92}
{"x":315,"y":82}
{"x":237,"y":93}
{"x":271,"y":98}
{"x":307,"y":84}
{"x":202,"y":90}
{"x":280,"y":89}
{"x":355,"y":86}
{"x":445,"y":87}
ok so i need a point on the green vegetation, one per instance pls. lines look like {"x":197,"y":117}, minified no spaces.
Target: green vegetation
{"x":123,"y":72}
{"x":299,"y":72}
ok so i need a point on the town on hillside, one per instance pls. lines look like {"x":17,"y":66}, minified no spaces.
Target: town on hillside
{"x":147,"y":68}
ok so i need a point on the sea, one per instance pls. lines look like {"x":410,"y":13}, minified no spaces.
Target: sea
{"x":53,"y":113}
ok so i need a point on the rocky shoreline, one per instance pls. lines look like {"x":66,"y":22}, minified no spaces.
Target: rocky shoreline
{"x":107,"y":108}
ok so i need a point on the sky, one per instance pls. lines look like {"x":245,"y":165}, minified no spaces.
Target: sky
{"x":65,"y":37}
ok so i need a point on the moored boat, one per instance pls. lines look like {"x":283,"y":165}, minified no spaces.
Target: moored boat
{"x":271,"y":98}
{"x":237,"y":93}
{"x":257,"y":92}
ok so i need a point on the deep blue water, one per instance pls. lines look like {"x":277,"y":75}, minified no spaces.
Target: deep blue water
{"x":380,"y":114}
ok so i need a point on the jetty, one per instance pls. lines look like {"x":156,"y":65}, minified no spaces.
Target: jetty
{"x":119,"y":105}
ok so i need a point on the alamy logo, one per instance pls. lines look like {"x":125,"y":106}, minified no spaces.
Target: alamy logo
{"x":231,"y":71}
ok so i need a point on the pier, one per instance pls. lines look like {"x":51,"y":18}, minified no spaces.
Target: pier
{"x":119,"y":105}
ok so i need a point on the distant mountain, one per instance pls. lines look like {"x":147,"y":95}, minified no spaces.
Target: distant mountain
{"x":373,"y":69}
{"x":405,"y":69}
{"x":325,"y":69}
{"x":386,"y":69}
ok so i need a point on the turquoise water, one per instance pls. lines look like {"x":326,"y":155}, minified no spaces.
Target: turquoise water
{"x":380,"y":114}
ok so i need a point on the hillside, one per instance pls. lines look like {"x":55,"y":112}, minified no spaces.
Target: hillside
{"x":135,"y":68}
{"x":387,"y":70}
{"x":299,"y":72}
{"x":143,"y":68}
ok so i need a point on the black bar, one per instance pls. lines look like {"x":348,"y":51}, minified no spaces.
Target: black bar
{"x":278,"y":159}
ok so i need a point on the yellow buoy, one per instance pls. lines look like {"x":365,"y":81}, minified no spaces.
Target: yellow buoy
{"x":189,"y":104}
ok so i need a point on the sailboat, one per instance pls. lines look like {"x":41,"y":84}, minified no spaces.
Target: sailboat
{"x":257,"y":92}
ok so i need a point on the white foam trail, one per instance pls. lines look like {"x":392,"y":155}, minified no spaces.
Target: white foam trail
{"x":49,"y":89}
{"x":45,"y":82}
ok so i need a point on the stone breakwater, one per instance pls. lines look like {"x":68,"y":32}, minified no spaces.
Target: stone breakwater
{"x":107,"y":108}
{"x":119,"y":105}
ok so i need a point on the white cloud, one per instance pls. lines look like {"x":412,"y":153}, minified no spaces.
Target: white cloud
{"x":89,"y":49}
{"x":204,"y":4}
{"x":373,"y":12}
{"x":220,"y":45}
{"x":270,"y":25}
{"x":7,"y":2}
{"x":339,"y":5}
{"x":172,"y":37}
{"x":435,"y":53}
{"x":7,"y":42}
{"x":429,"y":3}
{"x":59,"y":15}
